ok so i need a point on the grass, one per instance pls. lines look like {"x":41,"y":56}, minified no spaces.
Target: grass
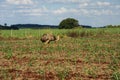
{"x":80,"y":54}
{"x":116,"y":76}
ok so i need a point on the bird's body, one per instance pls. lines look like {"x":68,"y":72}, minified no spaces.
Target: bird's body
{"x":48,"y":38}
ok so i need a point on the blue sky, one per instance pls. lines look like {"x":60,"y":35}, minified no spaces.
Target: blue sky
{"x":88,"y":12}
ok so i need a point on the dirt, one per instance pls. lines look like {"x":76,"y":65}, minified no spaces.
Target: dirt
{"x":28,"y":74}
{"x":30,"y":64}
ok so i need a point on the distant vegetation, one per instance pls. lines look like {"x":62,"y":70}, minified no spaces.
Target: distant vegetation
{"x":31,"y":26}
{"x":112,"y":26}
{"x":68,"y":23}
{"x":8,"y":27}
{"x":35,"y":26}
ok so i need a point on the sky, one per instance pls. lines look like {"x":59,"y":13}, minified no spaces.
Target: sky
{"x":95,"y":13}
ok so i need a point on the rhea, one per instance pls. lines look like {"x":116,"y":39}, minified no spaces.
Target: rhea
{"x":47,"y":38}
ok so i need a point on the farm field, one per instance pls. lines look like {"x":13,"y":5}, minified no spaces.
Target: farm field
{"x":80,"y":54}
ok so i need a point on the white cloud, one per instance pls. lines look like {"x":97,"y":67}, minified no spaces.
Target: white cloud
{"x":64,"y":10}
{"x":84,"y":8}
{"x":18,"y":2}
{"x":83,"y":5}
{"x":101,"y":12}
{"x":117,"y":6}
{"x":107,"y":12}
{"x":3,"y":5}
{"x":73,"y":10}
{"x":24,"y":7}
{"x":33,"y":12}
{"x":60,"y":11}
{"x":103,"y":3}
{"x":84,"y":11}
{"x":97,"y":4}
{"x":67,"y":1}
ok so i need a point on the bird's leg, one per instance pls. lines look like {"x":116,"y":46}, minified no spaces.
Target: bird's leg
{"x":47,"y":41}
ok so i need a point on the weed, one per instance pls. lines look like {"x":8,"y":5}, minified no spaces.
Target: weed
{"x":91,"y":72}
{"x":116,"y":76}
{"x":30,"y":63}
{"x":63,"y":74}
{"x":5,"y":75}
{"x":86,"y":34}
{"x":9,"y":54}
{"x":41,"y":72}
{"x":73,"y":34}
{"x":113,"y":67}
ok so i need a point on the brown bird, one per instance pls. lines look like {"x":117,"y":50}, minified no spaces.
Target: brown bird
{"x":47,"y":38}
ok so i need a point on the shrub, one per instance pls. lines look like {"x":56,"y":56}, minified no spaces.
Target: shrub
{"x":76,"y":34}
{"x":86,"y":34}
{"x":73,"y":34}
{"x":68,"y":23}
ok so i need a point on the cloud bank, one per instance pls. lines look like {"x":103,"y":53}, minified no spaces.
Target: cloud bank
{"x":19,"y":2}
{"x":56,"y":10}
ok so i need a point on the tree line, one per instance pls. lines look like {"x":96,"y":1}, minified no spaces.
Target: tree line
{"x":21,"y":26}
{"x":68,"y":23}
{"x":5,"y":27}
{"x":112,"y":26}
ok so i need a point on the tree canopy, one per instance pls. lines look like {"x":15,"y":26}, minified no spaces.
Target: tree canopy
{"x":68,"y":23}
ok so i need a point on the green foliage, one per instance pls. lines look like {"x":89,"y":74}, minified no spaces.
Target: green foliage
{"x":73,"y":34}
{"x":68,"y":23}
{"x":63,"y":74}
{"x":8,"y":55}
{"x":116,"y":76}
{"x":84,"y":33}
{"x":112,"y":26}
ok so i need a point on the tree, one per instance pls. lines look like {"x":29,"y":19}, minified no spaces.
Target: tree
{"x":112,"y":26}
{"x":68,"y":23}
{"x":5,"y":24}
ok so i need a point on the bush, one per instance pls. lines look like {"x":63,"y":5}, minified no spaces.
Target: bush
{"x":86,"y":34}
{"x":76,"y":34}
{"x":73,"y":34}
{"x":68,"y":23}
{"x":112,"y":26}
